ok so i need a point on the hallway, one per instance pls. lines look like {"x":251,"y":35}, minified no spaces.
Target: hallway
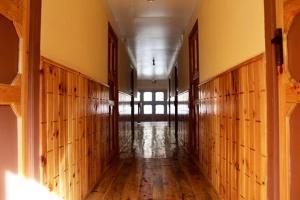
{"x":155,"y":169}
{"x":149,"y":99}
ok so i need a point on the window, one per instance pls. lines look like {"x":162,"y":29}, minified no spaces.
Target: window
{"x":148,"y":109}
{"x":159,"y":96}
{"x":136,"y":109}
{"x":147,"y":96}
{"x":138,"y":97}
{"x":159,"y":109}
{"x":183,"y":109}
{"x":172,"y":109}
{"x":152,"y":102}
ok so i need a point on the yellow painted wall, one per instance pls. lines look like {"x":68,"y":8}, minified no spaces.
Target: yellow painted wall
{"x":230,"y":32}
{"x":75,"y":34}
{"x":183,"y":56}
{"x":149,"y":85}
{"x":183,"y":69}
{"x":124,"y":72}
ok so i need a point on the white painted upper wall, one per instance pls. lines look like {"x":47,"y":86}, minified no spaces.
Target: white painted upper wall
{"x":230,"y":32}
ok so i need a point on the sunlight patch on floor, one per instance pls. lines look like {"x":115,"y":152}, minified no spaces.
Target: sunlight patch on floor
{"x":18,"y":187}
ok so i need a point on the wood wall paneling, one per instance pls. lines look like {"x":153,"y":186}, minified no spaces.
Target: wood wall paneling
{"x":232,"y":140}
{"x":74,"y":131}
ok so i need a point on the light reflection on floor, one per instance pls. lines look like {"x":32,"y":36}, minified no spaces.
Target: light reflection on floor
{"x":18,"y":187}
{"x":153,"y":140}
{"x":154,"y":168}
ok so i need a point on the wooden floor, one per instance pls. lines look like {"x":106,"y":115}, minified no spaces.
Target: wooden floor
{"x":155,"y":168}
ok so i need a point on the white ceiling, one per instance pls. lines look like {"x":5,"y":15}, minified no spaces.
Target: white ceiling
{"x":153,"y":30}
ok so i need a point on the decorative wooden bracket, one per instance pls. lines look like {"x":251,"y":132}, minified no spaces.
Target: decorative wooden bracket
{"x":11,"y":95}
{"x":12,"y":10}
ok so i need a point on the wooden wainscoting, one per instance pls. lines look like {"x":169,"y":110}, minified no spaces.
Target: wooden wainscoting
{"x":125,"y":131}
{"x":75,"y":138}
{"x":232,"y":131}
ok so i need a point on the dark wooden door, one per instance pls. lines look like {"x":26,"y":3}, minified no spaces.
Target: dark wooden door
{"x":194,"y":84}
{"x":176,"y":103}
{"x":113,"y":90}
{"x":132,"y":83}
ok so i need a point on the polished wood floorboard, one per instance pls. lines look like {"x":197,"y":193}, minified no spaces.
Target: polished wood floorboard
{"x":155,"y":168}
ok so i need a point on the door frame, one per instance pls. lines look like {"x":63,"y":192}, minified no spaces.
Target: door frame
{"x":272,"y":102}
{"x":132,"y":83}
{"x":169,"y":102}
{"x":176,"y":103}
{"x":34,"y":111}
{"x":193,"y":87}
{"x":113,"y":52}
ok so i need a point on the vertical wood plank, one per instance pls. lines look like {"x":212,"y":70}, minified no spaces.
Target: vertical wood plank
{"x":233,"y":143}
{"x":74,"y":131}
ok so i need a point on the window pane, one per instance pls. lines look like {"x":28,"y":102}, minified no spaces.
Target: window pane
{"x":147,"y":96}
{"x":147,"y":109}
{"x":136,"y":109}
{"x":183,"y":109}
{"x":138,"y":97}
{"x":128,"y":109}
{"x":159,"y":96}
{"x":172,"y":109}
{"x":159,"y":109}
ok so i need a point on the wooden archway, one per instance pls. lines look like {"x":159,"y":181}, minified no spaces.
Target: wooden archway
{"x":15,"y":13}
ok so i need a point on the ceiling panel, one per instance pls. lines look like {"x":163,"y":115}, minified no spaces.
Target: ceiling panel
{"x":152,"y":30}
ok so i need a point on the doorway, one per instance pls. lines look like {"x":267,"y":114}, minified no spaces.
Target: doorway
{"x":113,"y":90}
{"x":283,"y":60}
{"x":193,"y":89}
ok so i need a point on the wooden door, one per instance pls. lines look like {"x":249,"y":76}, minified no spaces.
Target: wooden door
{"x":176,"y":104}
{"x":288,"y":18}
{"x":194,"y":84}
{"x":169,"y":103}
{"x":14,"y":48}
{"x":132,"y":83}
{"x":113,"y":90}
